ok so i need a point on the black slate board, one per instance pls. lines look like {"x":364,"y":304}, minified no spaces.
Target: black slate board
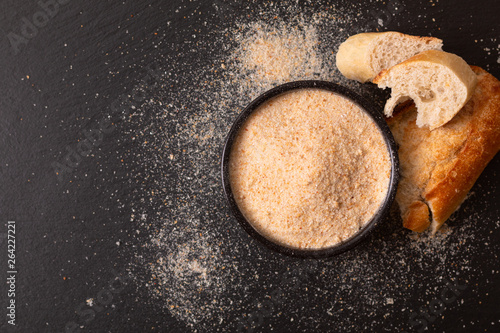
{"x":59,"y":83}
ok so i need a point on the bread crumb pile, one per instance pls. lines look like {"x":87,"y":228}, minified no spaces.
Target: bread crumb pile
{"x":309,"y":169}
{"x":192,"y":262}
{"x":279,"y":54}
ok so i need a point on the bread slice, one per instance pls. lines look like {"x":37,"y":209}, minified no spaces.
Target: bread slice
{"x":439,"y":167}
{"x":440,"y":83}
{"x":361,"y":57}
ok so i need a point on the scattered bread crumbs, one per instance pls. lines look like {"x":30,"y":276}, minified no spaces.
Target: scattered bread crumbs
{"x":193,"y":262}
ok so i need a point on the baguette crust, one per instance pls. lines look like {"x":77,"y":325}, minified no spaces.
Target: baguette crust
{"x":355,"y":56}
{"x":417,"y":217}
{"x":438,"y":168}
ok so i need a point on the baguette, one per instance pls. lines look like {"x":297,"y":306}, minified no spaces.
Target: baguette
{"x":439,"y":167}
{"x":438,"y":82}
{"x":361,"y":57}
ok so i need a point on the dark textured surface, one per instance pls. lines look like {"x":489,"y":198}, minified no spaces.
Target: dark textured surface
{"x":61,"y":83}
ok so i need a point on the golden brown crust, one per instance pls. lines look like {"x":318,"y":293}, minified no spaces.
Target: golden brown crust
{"x":448,"y":188}
{"x":417,"y":217}
{"x":439,"y":167}
{"x":380,"y":76}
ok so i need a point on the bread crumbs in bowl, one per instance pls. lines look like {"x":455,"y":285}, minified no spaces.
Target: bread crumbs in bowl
{"x":309,"y":169}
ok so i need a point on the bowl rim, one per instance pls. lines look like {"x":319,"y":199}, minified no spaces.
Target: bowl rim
{"x":377,"y":118}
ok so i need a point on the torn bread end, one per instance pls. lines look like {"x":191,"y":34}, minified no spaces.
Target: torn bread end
{"x":417,"y":217}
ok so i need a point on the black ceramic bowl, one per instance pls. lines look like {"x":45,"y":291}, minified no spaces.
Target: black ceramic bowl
{"x":376,"y":219}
